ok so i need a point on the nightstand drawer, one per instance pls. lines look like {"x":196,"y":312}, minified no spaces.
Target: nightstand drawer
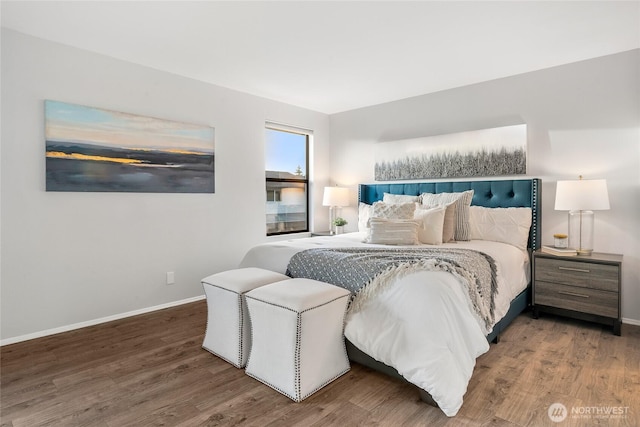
{"x":583,"y":274}
{"x":594,"y":301}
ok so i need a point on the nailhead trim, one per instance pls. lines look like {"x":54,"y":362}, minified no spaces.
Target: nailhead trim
{"x":534,"y":207}
{"x":238,"y":362}
{"x":223,"y":358}
{"x":297,"y":360}
{"x":344,"y":349}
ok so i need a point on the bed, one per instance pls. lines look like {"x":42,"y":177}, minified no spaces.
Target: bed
{"x":421,"y":325}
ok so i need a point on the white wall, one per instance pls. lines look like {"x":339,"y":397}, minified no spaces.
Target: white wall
{"x":583,"y":118}
{"x":71,"y":258}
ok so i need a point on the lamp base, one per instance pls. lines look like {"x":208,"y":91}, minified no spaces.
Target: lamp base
{"x":334,"y":212}
{"x":581,"y":231}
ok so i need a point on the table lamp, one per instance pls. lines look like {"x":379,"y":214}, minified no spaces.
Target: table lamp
{"x":335,"y":198}
{"x":581,"y":197}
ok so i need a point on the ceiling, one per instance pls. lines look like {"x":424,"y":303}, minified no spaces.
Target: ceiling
{"x":336,"y":56}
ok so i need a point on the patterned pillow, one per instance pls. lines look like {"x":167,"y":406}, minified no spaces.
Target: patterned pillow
{"x":399,"y":198}
{"x":393,"y":231}
{"x":393,"y":211}
{"x":462,"y":200}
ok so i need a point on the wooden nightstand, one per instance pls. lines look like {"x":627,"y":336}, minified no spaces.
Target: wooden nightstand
{"x":583,"y":287}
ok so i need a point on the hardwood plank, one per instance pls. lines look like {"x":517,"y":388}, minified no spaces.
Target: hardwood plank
{"x":152,"y":370}
{"x":347,"y":414}
{"x":487,"y":391}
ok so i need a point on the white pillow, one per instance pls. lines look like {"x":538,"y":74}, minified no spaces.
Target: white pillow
{"x":364,"y":213}
{"x":393,"y":211}
{"x":393,"y":231}
{"x":399,"y":198}
{"x":506,"y":225}
{"x":463,"y":201}
{"x":449,"y":227}
{"x":432,"y":219}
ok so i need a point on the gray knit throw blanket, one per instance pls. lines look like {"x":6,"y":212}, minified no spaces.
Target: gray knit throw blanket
{"x":367,"y":271}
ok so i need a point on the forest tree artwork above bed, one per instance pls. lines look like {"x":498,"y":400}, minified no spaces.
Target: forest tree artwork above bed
{"x":487,"y":152}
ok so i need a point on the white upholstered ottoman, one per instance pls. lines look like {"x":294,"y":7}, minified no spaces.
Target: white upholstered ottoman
{"x":228,"y":328}
{"x":297,"y":331}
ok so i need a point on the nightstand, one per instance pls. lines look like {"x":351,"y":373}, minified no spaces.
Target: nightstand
{"x":582,"y":287}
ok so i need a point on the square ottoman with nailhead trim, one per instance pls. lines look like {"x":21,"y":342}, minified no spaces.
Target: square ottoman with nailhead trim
{"x":228,"y":329}
{"x":297,"y":329}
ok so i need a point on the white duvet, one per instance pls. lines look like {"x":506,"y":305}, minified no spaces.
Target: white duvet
{"x":423,"y":325}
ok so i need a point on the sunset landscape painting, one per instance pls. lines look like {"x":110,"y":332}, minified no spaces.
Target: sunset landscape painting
{"x":92,"y":149}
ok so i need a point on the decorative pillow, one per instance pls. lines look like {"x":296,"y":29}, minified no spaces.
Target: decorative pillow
{"x":449,"y":226}
{"x":462,"y":200}
{"x":364,"y":213}
{"x":393,"y":231}
{"x":393,"y":211}
{"x":399,"y":198}
{"x":506,"y":225}
{"x":432,"y":219}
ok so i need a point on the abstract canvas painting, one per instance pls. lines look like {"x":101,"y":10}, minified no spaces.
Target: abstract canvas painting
{"x":92,"y":149}
{"x":485,"y":152}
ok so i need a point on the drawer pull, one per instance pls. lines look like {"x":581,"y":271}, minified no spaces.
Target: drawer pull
{"x":573,"y":294}
{"x":581,"y":270}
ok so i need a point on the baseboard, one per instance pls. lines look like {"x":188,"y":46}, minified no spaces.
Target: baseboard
{"x":93,"y":322}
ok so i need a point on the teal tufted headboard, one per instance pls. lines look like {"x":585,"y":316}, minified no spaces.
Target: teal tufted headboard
{"x":491,"y":194}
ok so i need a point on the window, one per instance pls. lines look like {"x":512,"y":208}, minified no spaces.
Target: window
{"x":286,"y":168}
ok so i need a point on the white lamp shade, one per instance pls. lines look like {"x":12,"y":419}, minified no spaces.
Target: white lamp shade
{"x":582,"y":195}
{"x":335,"y":196}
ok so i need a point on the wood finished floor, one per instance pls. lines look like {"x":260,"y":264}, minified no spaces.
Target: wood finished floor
{"x":151,"y":370}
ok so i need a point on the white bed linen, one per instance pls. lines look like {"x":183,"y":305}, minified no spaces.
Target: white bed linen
{"x":423,"y":326}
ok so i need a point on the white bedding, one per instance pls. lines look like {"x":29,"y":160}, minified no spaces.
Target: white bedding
{"x":422,"y":326}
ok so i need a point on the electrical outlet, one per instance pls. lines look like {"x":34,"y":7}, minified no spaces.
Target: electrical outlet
{"x":171,"y":278}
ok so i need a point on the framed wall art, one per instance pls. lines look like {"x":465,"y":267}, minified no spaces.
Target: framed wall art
{"x":486,"y":152}
{"x":92,"y":149}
